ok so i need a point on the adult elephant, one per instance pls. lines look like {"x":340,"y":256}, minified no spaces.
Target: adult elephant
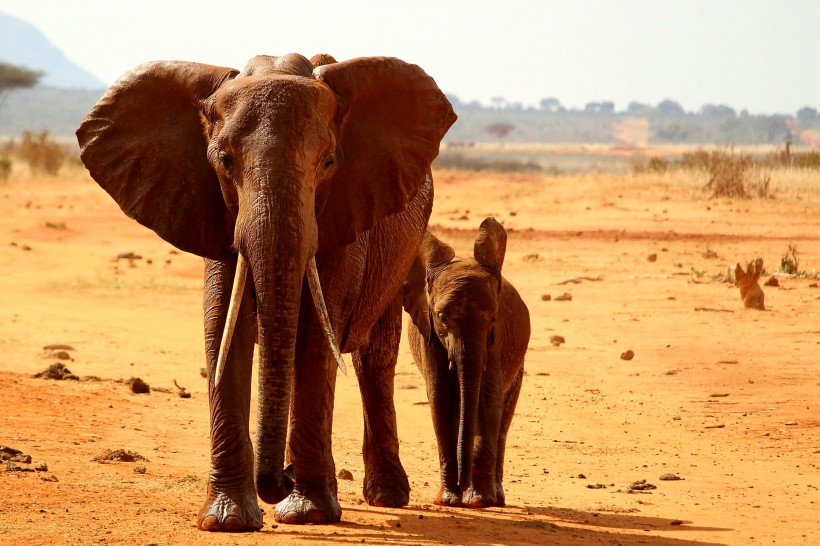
{"x":290,"y":176}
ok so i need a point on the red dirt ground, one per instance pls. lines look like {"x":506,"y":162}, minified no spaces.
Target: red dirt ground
{"x":724,"y":397}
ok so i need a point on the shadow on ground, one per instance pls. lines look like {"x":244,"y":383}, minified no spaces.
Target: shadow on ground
{"x":512,"y":525}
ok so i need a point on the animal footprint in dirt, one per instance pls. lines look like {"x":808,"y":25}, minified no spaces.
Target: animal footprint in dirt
{"x":747,"y":281}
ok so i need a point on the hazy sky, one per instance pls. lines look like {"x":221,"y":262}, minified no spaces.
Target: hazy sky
{"x":753,"y":54}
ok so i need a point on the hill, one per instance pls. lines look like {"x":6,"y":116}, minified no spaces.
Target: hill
{"x":60,"y":111}
{"x":25,"y":45}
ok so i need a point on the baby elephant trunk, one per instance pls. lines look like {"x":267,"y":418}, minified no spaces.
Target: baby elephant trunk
{"x":469,"y":365}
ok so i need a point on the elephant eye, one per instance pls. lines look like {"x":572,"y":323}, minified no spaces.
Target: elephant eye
{"x":330,"y":159}
{"x":442,"y":318}
{"x":226,"y":160}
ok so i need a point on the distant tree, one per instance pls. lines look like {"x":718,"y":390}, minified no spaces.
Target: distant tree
{"x":550,"y":104}
{"x":16,"y":77}
{"x":499,"y":102}
{"x":606,"y":107}
{"x":453,"y":99}
{"x":638,"y":108}
{"x":717,"y":111}
{"x":807,"y":114}
{"x":777,"y":130}
{"x":500,"y":130}
{"x":670,"y":108}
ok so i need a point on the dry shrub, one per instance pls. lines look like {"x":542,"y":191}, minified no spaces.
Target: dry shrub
{"x":789,"y":263}
{"x":5,"y":168}
{"x":728,"y":173}
{"x":42,"y":154}
{"x":457,"y":161}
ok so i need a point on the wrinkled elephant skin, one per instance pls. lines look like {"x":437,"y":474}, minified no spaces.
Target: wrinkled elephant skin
{"x":469,"y":334}
{"x":288,"y":161}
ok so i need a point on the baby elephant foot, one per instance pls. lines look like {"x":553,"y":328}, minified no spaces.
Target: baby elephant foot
{"x":448,"y":496}
{"x":314,"y":507}
{"x":481,"y":498}
{"x":230,"y":511}
{"x":391,"y":491}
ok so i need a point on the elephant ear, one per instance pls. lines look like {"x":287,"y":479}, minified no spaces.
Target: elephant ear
{"x":414,"y":298}
{"x":436,"y":254}
{"x":490,"y":245}
{"x":145,"y":144}
{"x":394,"y":117}
{"x":432,"y":256}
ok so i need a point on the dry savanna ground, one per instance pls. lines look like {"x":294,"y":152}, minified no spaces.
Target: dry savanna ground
{"x":721,"y":397}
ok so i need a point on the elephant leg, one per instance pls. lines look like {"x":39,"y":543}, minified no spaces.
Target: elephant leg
{"x":231,"y":503}
{"x":510,"y":401}
{"x":314,"y":497}
{"x":385,"y":481}
{"x":482,"y":491}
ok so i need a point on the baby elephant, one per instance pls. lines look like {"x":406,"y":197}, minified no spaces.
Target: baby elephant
{"x":469,"y":334}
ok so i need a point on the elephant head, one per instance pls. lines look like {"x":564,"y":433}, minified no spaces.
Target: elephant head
{"x":276,"y":163}
{"x":453,"y":302}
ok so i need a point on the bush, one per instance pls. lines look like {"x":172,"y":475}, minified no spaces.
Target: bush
{"x":731,"y":174}
{"x":457,"y":161}
{"x":5,"y":168}
{"x":800,"y":160}
{"x":41,"y":152}
{"x":728,"y":172}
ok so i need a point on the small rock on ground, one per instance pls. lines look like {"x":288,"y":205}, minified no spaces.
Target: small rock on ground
{"x":120,"y":456}
{"x":641,"y":485}
{"x":57,"y":371}
{"x":138,"y":386}
{"x":344,"y":474}
{"x":628,"y":355}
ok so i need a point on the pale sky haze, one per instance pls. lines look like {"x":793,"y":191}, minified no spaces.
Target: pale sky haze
{"x":754,"y":54}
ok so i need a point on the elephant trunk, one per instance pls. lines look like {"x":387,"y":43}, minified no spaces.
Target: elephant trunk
{"x":279,"y":242}
{"x":469,"y":365}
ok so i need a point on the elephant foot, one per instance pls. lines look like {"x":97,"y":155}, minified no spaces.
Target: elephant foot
{"x":230,"y":512}
{"x":300,"y":508}
{"x":500,"y":497}
{"x":387,"y":491}
{"x":482,"y":498}
{"x":448,"y":497}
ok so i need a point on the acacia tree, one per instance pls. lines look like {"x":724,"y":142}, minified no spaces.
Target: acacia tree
{"x":500,"y":130}
{"x":16,"y":77}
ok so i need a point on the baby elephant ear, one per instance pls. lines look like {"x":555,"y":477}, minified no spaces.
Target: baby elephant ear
{"x":490,"y":244}
{"x":414,"y":298}
{"x":144,"y":143}
{"x":435,"y":253}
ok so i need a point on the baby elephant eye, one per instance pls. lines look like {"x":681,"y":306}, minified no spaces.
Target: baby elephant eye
{"x":226,"y":160}
{"x":330,"y":159}
{"x":442,"y":318}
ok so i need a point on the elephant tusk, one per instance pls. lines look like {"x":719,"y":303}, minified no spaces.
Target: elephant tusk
{"x":321,"y":310}
{"x":233,"y":312}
